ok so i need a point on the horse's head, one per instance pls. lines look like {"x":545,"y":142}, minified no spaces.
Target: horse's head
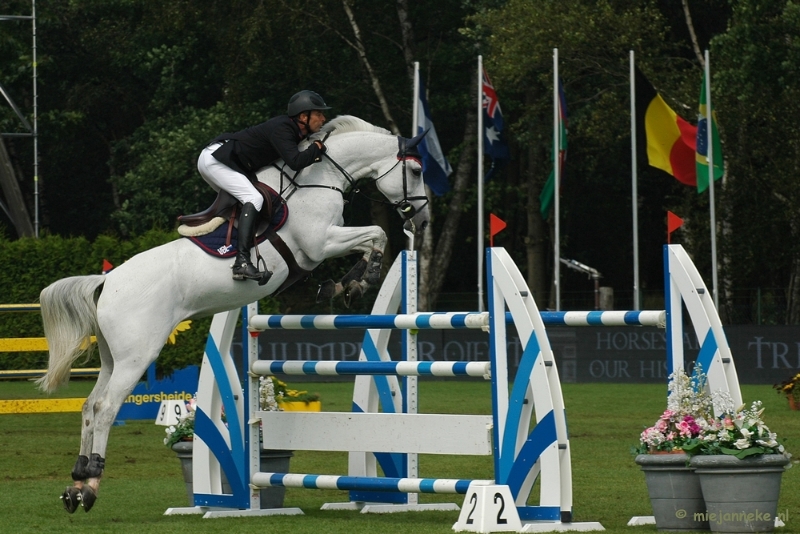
{"x":402,"y":184}
{"x":397,"y":175}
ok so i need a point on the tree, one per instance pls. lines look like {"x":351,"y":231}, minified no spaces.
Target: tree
{"x":755,"y":76}
{"x":593,"y":39}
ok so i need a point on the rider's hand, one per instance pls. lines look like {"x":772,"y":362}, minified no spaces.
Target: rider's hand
{"x":321,"y":146}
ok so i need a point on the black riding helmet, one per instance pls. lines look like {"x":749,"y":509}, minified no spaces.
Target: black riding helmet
{"x":305,"y":101}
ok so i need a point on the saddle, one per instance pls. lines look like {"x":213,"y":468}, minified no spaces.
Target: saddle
{"x":204,"y":229}
{"x":225,"y":207}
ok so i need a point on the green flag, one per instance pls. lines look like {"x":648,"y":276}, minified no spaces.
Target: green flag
{"x":701,"y":159}
{"x":548,"y":192}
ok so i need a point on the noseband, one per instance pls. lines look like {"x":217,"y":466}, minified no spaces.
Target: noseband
{"x":408,"y":149}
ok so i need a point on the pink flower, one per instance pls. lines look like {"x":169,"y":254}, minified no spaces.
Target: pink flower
{"x":684,"y":429}
{"x":667,"y":415}
{"x":727,"y":423}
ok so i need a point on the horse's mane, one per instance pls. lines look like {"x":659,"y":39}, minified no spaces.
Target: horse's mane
{"x":349,"y":123}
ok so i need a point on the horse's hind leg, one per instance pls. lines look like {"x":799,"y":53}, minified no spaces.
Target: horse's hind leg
{"x":129,"y":366}
{"x":73,"y":495}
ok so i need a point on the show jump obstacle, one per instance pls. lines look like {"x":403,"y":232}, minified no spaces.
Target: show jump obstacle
{"x":526,"y":434}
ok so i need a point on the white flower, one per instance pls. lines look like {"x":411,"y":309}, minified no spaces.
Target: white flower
{"x":742,"y":443}
{"x":266,"y":391}
{"x":771,"y":443}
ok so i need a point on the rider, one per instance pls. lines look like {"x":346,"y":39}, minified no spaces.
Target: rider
{"x":230,"y":162}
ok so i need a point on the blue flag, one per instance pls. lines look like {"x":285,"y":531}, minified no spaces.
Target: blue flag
{"x":494,"y":144}
{"x":435,"y":167}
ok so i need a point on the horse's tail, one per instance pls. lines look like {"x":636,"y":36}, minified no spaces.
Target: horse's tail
{"x":69,"y":314}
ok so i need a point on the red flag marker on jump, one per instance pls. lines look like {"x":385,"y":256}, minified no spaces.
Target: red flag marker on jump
{"x":107,"y":266}
{"x":673,"y":223}
{"x":496,"y":225}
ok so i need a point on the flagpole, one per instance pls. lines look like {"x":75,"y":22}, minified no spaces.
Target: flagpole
{"x":634,"y":189}
{"x":557,"y":183}
{"x":415,"y":108}
{"x":480,"y":184}
{"x":713,"y":222}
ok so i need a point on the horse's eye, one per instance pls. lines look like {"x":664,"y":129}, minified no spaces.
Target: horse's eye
{"x":416,"y":172}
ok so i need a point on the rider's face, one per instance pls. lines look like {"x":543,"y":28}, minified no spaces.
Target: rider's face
{"x":315,"y":121}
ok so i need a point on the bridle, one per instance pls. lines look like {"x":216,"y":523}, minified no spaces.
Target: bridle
{"x":407,"y":149}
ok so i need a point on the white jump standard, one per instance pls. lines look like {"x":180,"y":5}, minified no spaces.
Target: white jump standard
{"x":526,"y":434}
{"x":521,"y":455}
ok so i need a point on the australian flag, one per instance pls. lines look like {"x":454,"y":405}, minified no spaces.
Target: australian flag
{"x":494,"y":144}
{"x":435,"y":167}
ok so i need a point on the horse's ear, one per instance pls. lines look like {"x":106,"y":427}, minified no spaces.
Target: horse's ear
{"x":408,"y":147}
{"x":414,"y":141}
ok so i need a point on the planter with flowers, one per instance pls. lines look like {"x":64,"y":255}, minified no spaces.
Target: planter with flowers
{"x":277,"y":396}
{"x":674,"y":488}
{"x":740,"y":464}
{"x":272,"y":393}
{"x":790,"y":388}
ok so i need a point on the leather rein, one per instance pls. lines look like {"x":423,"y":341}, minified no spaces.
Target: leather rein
{"x":405,"y":206}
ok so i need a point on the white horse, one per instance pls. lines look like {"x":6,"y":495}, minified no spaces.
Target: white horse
{"x":133,"y":309}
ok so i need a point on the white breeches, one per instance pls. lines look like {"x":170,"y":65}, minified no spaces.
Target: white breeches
{"x":220,"y":176}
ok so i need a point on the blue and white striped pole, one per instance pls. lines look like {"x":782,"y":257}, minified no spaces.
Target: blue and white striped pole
{"x":340,"y":368}
{"x":439,"y":321}
{"x":334,"y":482}
{"x":604,"y":318}
{"x":452,"y":320}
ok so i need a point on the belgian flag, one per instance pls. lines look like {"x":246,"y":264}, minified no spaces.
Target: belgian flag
{"x":667,"y":139}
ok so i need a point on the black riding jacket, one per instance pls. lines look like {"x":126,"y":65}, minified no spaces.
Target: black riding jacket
{"x":255,"y":147}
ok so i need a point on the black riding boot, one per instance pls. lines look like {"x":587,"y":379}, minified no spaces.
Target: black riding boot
{"x":243,"y":268}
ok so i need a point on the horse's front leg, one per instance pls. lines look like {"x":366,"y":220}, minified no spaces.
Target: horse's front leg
{"x":371,"y":240}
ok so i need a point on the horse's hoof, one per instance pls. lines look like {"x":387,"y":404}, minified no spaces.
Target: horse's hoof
{"x":87,"y":497}
{"x":71,"y":498}
{"x":327,"y":290}
{"x":353,"y":291}
{"x":374,"y":269}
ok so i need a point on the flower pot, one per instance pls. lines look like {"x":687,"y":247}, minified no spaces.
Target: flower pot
{"x":674,"y":491}
{"x":793,"y":404}
{"x":301,"y":406}
{"x":740,"y":495}
{"x":272,"y":461}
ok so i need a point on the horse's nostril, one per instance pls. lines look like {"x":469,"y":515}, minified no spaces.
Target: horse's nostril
{"x":423,"y":225}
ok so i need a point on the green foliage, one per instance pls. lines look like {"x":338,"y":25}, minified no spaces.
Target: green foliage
{"x":29,"y":265}
{"x":756,"y":66}
{"x":130,"y":91}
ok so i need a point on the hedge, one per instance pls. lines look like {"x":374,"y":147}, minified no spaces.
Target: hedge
{"x":28,"y":265}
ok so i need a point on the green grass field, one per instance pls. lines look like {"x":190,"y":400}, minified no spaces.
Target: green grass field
{"x":143,"y":479}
